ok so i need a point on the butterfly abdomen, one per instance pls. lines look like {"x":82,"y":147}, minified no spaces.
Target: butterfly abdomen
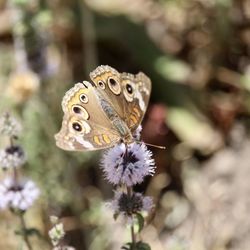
{"x":119,"y":125}
{"x":108,"y":110}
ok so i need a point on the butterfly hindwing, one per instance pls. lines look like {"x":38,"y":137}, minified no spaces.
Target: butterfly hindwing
{"x":107,"y":80}
{"x":128,"y":94}
{"x":137,"y":89}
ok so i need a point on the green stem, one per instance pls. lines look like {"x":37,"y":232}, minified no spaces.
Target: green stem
{"x":24,"y":230}
{"x":15,"y":173}
{"x":88,"y":37}
{"x":133,"y":235}
{"x":11,"y":141}
{"x":130,"y":193}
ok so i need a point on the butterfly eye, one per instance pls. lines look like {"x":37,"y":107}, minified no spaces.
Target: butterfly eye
{"x":84,"y":98}
{"x":101,"y":84}
{"x":129,"y":89}
{"x":77,"y":109}
{"x":114,"y":86}
{"x":81,"y":127}
{"x":112,"y":82}
{"x":76,"y":126}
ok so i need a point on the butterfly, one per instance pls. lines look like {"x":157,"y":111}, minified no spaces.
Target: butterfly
{"x":101,"y":114}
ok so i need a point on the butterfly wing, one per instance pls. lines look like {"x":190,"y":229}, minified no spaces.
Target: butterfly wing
{"x":129,"y":94}
{"x":84,"y":126}
{"x":136,"y":90}
{"x":108,"y":81}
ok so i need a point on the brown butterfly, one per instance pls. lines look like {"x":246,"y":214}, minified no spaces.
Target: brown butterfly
{"x":99,"y":115}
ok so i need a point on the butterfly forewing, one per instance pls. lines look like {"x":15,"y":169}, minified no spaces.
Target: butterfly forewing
{"x":85,"y":126}
{"x":127,"y":93}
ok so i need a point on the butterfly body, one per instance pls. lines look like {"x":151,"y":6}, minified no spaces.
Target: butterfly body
{"x":102,"y":114}
{"x":117,"y":123}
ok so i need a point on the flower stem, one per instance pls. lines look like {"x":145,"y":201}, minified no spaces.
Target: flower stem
{"x":24,"y":229}
{"x":15,"y":173}
{"x":130,"y":193}
{"x":15,"y":178}
{"x":133,"y":236}
{"x":11,"y":141}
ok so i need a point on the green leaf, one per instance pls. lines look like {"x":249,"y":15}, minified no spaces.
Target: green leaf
{"x":172,"y":69}
{"x":138,"y":246}
{"x":28,"y":232}
{"x":140,"y":219}
{"x":20,"y":2}
{"x":177,"y":116}
{"x":18,"y":232}
{"x":17,"y":211}
{"x":127,"y":246}
{"x":33,"y":231}
{"x":115,"y":216}
{"x":142,"y":246}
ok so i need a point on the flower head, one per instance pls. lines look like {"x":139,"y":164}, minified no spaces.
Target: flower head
{"x":129,"y":165}
{"x":56,"y":233}
{"x":12,"y":157}
{"x":18,"y":195}
{"x":22,"y":85}
{"x":9,"y":125}
{"x":127,"y":205}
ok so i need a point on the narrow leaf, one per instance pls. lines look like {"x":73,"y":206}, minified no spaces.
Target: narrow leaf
{"x":127,"y":246}
{"x":142,"y":246}
{"x":140,"y":219}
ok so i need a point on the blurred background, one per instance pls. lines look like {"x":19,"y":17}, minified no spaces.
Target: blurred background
{"x":196,"y":53}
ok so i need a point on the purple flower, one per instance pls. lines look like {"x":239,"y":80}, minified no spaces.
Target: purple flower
{"x":9,"y":125}
{"x":128,"y":205}
{"x":129,"y":165}
{"x":18,"y":195}
{"x":12,"y":157}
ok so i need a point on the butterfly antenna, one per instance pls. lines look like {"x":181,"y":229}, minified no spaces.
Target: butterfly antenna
{"x":153,"y":145}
